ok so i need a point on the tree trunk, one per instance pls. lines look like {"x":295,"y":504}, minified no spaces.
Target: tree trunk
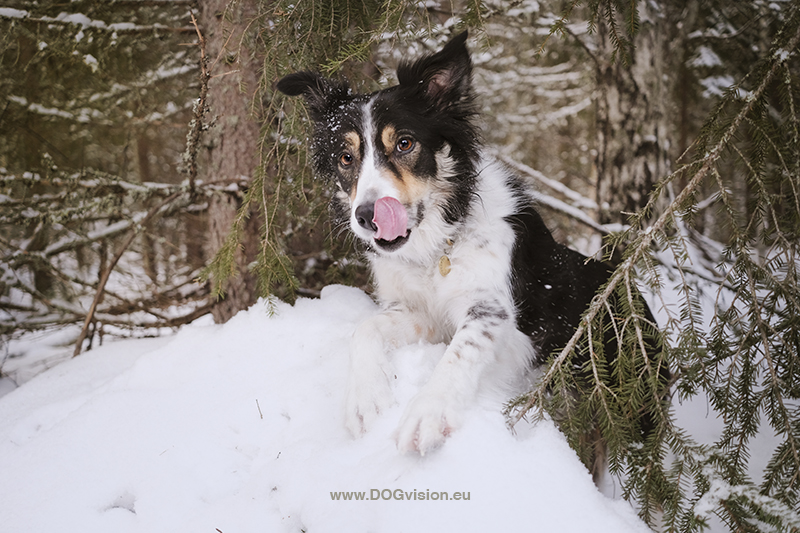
{"x":631,"y":119}
{"x":232,"y":143}
{"x":149,"y":252}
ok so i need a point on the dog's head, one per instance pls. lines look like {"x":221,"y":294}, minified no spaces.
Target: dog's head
{"x":403,"y":158}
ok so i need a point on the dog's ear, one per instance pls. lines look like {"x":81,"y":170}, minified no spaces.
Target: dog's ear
{"x":444,"y":77}
{"x":320,"y":93}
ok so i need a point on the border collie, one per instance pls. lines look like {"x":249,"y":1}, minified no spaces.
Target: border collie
{"x":458,"y":252}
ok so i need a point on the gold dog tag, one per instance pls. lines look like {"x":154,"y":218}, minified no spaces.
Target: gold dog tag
{"x":444,"y":265}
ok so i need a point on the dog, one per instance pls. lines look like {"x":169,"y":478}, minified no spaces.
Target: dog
{"x":458,"y":252}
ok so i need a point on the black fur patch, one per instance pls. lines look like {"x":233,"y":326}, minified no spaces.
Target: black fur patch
{"x":553,"y":285}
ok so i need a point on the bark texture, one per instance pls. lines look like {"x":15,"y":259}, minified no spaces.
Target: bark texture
{"x":231,"y":145}
{"x":632,"y":131}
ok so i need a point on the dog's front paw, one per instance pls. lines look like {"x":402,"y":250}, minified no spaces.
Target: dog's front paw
{"x":428,"y":420}
{"x":366,"y":398}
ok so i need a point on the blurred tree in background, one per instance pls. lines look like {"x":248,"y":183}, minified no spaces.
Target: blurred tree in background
{"x":94,"y":114}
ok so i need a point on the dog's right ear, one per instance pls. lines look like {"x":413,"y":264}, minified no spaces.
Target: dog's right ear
{"x":445,"y":78}
{"x":320,"y":93}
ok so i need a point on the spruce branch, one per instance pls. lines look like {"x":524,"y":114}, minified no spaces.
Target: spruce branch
{"x":647,"y":479}
{"x":644,"y":237}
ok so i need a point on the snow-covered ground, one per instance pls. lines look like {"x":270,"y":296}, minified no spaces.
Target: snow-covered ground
{"x":239,"y":428}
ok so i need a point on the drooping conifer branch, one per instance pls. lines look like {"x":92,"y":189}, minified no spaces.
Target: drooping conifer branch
{"x":646,"y":236}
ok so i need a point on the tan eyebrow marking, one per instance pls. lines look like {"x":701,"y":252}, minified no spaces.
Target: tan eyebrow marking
{"x":388,"y":137}
{"x":353,"y":141}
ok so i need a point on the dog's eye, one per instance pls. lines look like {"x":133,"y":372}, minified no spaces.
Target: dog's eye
{"x":346,"y":159}
{"x":405,"y":145}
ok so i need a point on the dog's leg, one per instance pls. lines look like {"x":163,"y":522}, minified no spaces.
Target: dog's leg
{"x":485,"y":329}
{"x":368,"y":388}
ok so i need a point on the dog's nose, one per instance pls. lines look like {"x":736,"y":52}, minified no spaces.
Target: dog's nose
{"x":364,"y":216}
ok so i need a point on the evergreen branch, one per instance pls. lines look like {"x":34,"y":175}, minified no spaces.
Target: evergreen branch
{"x":776,"y":383}
{"x":618,"y":42}
{"x":391,"y":16}
{"x":499,"y":11}
{"x":731,"y":496}
{"x":638,"y":250}
{"x":592,"y":54}
{"x":559,"y":26}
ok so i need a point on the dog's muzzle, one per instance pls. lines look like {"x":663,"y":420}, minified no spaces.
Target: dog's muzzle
{"x":387,"y":219}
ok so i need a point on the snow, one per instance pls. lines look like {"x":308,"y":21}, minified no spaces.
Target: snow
{"x":83,"y":115}
{"x":11,"y":13}
{"x":716,"y":85}
{"x":782,"y":54}
{"x":90,"y":60}
{"x":239,"y":428}
{"x":705,"y":57}
{"x":78,"y":19}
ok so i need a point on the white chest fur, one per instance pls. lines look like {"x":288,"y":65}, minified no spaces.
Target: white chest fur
{"x":471,"y":308}
{"x":479,"y":260}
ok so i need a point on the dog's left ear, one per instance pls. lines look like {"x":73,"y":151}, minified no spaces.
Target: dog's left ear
{"x":320,"y":93}
{"x":444,"y":77}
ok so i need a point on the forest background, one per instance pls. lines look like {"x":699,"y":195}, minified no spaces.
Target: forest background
{"x":150,"y":174}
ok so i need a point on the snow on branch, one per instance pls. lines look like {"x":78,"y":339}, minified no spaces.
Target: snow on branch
{"x":541,"y":120}
{"x":84,"y":22}
{"x":83,"y":116}
{"x":577,"y":198}
{"x":575,"y":210}
{"x":176,"y":65}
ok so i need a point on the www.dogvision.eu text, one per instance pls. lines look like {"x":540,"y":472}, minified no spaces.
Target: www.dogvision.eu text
{"x":401,"y":495}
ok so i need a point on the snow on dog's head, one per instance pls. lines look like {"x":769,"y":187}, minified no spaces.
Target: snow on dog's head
{"x":404,"y":158}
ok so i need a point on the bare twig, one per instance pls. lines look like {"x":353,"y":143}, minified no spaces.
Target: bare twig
{"x":107,"y":271}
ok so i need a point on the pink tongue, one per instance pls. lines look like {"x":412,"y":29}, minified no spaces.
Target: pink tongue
{"x":391,"y":218}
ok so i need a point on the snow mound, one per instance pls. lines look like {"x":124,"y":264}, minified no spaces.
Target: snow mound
{"x":239,"y":428}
